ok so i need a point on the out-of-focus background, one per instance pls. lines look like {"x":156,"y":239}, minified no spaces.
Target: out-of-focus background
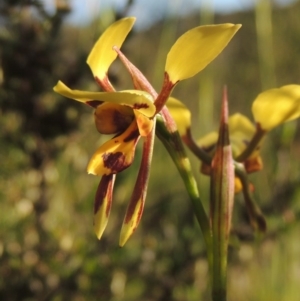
{"x":48,"y":250}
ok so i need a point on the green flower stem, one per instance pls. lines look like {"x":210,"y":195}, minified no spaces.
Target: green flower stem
{"x":220,"y":237}
{"x":259,"y":134}
{"x":174,"y":146}
{"x":221,"y":204}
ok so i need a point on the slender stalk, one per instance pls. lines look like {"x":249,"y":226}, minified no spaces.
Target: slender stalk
{"x":197,"y":151}
{"x":174,"y":146}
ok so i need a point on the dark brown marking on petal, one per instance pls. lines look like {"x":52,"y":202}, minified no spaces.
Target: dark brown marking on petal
{"x":121,"y":120}
{"x":132,"y":135}
{"x":137,"y":106}
{"x":104,"y":189}
{"x":114,"y":161}
{"x":94,"y":103}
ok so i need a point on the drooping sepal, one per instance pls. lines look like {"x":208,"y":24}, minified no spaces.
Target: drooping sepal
{"x":132,"y":219}
{"x":136,"y":205}
{"x":102,"y":204}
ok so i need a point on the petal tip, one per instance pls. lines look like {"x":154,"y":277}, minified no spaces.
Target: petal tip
{"x":126,"y":232}
{"x":100,"y":222}
{"x":98,"y":233}
{"x":91,"y":172}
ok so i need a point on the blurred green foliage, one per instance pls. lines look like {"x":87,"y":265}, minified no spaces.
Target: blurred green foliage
{"x":48,"y":250}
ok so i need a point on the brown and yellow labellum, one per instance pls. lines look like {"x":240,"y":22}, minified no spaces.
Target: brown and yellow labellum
{"x":112,"y":118}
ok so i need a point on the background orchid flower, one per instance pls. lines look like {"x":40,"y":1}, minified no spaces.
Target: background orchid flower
{"x":270,"y":109}
{"x":130,"y":114}
{"x":241,"y":131}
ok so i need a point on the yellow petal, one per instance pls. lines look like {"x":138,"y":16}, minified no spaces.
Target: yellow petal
{"x":138,"y":100}
{"x":116,"y":154}
{"x":276,"y":106}
{"x":102,"y":205}
{"x":102,"y":54}
{"x":195,"y":49}
{"x":180,"y":114}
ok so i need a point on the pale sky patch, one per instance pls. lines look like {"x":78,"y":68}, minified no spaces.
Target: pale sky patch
{"x":149,"y":12}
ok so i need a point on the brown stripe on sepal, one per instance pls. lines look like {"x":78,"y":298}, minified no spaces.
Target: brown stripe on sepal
{"x":105,"y":189}
{"x":102,"y":204}
{"x":136,"y":206}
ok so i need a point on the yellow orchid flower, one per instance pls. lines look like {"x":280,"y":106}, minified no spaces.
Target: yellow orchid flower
{"x":241,"y":131}
{"x":131,"y":114}
{"x":270,"y":109}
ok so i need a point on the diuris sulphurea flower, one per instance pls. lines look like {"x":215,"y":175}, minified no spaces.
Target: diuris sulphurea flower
{"x":131,"y":114}
{"x":270,"y":109}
